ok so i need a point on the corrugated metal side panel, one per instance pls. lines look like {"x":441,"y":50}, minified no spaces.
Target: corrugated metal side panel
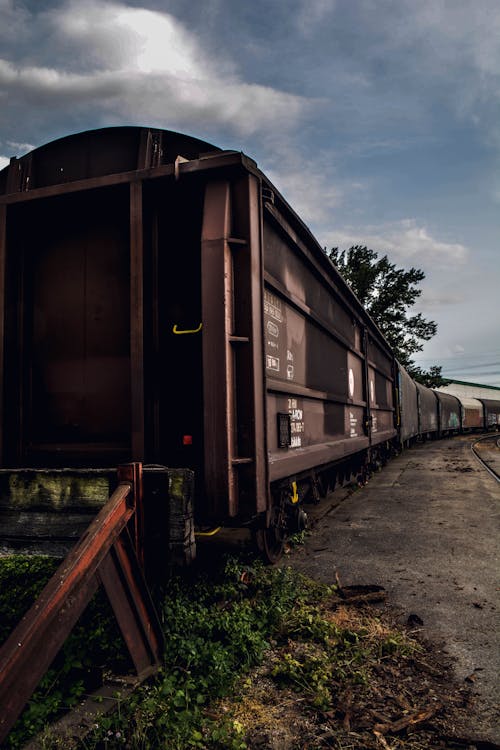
{"x":472,"y":413}
{"x":380,"y":358}
{"x":492,"y":410}
{"x":427,"y":410}
{"x":315,"y":366}
{"x":449,"y":411}
{"x":381,"y":393}
{"x":407,"y":404}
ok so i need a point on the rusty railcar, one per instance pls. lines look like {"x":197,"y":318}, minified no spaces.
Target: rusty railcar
{"x":472,"y":414}
{"x":427,"y":412}
{"x":491,"y":413}
{"x":449,"y":413}
{"x":164,"y":304}
{"x":408,"y":406}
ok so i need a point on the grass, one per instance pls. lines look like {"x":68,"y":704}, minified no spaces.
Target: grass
{"x":219,"y":625}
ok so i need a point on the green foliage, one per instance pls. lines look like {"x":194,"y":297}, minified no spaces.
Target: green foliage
{"x":387,"y":293}
{"x":95,"y":640}
{"x":217,"y":627}
{"x":432,"y":377}
{"x":320,"y":655}
{"x":310,"y":673}
{"x":21,"y":580}
{"x":218,"y":624}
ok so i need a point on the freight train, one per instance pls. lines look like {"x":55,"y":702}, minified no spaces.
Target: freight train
{"x":163,"y":303}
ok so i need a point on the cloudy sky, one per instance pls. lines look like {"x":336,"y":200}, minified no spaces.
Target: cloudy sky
{"x":379,"y":120}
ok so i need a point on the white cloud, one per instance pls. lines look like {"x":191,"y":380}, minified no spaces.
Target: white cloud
{"x":403,"y":241}
{"x":20,"y":148}
{"x":4,"y":161}
{"x":313,"y":198}
{"x":132,"y":62}
{"x":306,"y":180}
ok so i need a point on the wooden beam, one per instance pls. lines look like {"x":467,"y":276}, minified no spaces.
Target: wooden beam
{"x":102,"y":555}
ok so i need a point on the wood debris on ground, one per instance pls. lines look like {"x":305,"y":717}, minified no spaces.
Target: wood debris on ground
{"x":406,"y":701}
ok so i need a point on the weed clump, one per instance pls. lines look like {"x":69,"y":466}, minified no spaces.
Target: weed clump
{"x":222,"y":627}
{"x":94,"y":643}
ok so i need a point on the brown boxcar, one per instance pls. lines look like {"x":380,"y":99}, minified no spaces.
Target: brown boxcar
{"x":408,"y":406}
{"x":448,"y":413}
{"x":472,"y":414}
{"x":163,"y":303}
{"x":427,"y":411}
{"x":491,"y":413}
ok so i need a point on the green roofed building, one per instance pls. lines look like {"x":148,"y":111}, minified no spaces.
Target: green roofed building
{"x":471,"y":390}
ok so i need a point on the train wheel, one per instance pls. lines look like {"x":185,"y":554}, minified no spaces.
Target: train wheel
{"x":271,"y":540}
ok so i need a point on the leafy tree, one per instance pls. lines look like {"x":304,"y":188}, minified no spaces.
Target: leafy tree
{"x":432,"y":377}
{"x":387,"y":293}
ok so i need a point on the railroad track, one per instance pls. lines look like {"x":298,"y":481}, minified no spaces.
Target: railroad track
{"x":487,"y":451}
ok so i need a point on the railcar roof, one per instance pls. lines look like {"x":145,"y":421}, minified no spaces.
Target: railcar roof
{"x":94,"y":154}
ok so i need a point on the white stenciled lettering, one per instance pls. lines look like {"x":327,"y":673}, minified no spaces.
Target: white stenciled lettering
{"x":353,"y":422}
{"x":272,"y":363}
{"x":272,"y":307}
{"x":272,"y":329}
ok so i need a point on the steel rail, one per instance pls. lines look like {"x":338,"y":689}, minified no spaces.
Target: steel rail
{"x":481,"y":461}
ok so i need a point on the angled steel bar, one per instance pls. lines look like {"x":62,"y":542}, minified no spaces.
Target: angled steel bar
{"x":100,"y":556}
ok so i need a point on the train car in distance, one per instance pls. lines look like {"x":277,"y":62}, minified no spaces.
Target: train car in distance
{"x":427,"y":412}
{"x":164,"y":304}
{"x":491,"y":413}
{"x":408,"y":411}
{"x":449,"y":414}
{"x":472,"y":414}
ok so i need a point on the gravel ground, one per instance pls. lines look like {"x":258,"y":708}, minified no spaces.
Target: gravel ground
{"x":426,"y":529}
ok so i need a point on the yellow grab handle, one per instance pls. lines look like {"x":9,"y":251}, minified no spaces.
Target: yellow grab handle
{"x":195,"y":330}
{"x":212,"y":532}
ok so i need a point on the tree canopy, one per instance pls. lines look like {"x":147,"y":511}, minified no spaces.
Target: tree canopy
{"x":388,"y":293}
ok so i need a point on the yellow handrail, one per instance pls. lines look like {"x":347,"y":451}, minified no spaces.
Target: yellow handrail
{"x":212,"y":532}
{"x":195,"y":330}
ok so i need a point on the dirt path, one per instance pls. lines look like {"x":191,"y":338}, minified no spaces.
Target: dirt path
{"x":426,"y":528}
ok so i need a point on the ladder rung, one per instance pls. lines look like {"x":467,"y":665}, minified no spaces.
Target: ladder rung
{"x":241,"y":461}
{"x":239,"y":339}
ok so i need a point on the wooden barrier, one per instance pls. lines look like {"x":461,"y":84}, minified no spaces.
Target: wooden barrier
{"x":105,"y":555}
